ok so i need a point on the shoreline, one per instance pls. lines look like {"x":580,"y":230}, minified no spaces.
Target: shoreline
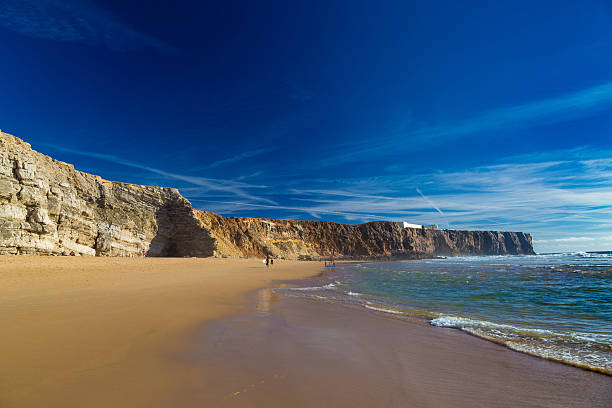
{"x":298,"y":349}
{"x":356,"y":301}
{"x":98,"y":332}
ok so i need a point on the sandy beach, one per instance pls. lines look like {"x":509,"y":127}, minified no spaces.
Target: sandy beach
{"x":101,"y":332}
{"x":98,"y":332}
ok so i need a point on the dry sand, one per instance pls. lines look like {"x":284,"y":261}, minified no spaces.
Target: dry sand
{"x":99,"y":332}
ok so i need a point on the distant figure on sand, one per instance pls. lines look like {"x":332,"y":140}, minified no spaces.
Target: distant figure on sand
{"x":271,"y":261}
{"x":267,"y":261}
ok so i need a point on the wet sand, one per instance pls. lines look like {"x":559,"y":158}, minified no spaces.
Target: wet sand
{"x":100,"y":332}
{"x":302,"y":353}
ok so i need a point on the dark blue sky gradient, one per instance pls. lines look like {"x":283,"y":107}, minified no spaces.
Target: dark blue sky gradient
{"x":498,"y":112}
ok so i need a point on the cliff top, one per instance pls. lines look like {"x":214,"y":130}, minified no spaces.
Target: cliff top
{"x":12,"y":140}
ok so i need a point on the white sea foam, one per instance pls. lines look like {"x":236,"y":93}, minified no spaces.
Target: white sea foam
{"x":499,"y":331}
{"x":574,"y":357}
{"x":382,"y":309}
{"x":353,"y":293}
{"x":465,"y":323}
{"x":324,"y":287}
{"x":540,"y":342}
{"x":596,"y":255}
{"x":592,"y":337}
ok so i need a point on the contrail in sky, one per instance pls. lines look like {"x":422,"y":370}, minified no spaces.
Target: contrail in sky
{"x":430,"y":202}
{"x":240,"y":157}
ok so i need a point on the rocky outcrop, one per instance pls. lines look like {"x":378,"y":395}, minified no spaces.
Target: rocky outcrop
{"x":48,"y":207}
{"x":237,"y":236}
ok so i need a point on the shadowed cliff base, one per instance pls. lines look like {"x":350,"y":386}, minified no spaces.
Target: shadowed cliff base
{"x":49,"y":208}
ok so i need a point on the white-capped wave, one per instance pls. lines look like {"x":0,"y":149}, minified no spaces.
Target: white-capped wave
{"x":382,"y":309}
{"x":498,"y":329}
{"x":324,"y":287}
{"x":581,"y":254}
{"x":598,"y":361}
{"x":540,"y":342}
{"x":353,"y":293}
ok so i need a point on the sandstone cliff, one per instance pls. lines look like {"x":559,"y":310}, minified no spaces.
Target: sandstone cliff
{"x":48,"y":207}
{"x":238,"y":236}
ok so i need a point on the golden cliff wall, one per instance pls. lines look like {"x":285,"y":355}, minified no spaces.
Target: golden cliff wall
{"x":238,"y":236}
{"x":48,"y":207}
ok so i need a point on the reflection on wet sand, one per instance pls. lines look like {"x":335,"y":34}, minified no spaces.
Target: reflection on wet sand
{"x":265,"y":298}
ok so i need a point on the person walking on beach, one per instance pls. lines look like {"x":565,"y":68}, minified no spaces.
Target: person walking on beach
{"x":267,"y":261}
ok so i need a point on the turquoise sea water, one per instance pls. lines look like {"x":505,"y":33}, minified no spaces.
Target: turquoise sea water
{"x":556,"y":306}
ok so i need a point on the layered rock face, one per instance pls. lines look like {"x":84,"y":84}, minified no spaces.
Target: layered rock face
{"x":48,"y":207}
{"x":237,"y":236}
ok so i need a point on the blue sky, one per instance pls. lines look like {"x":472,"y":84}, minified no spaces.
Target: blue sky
{"x":475,"y":115}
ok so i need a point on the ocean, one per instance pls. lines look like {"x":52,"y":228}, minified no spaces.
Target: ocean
{"x":555,"y":306}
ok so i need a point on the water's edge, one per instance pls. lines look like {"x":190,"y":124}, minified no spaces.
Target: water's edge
{"x":329,"y":288}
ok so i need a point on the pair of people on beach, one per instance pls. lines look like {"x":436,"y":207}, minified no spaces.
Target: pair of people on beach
{"x":269,"y":261}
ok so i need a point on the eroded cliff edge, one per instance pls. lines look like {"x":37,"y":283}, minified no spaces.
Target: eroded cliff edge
{"x":48,"y":207}
{"x":241,"y":236}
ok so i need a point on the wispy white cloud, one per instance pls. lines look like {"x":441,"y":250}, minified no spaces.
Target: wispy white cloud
{"x":232,"y":187}
{"x":231,"y":207}
{"x":250,"y":176}
{"x":75,"y":21}
{"x":239,"y":157}
{"x":573,"y":239}
{"x":568,"y":239}
{"x":556,"y":109}
{"x":341,"y":193}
